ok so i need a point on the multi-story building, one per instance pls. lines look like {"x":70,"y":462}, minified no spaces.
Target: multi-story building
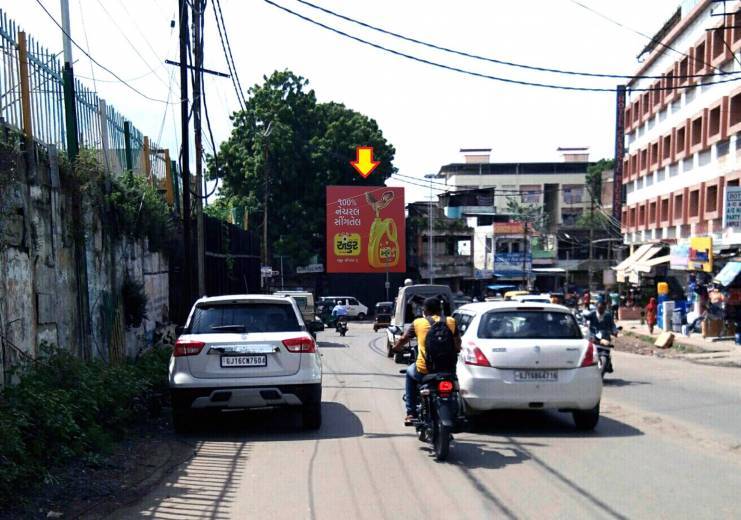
{"x":480,"y":191}
{"x":683,"y":134}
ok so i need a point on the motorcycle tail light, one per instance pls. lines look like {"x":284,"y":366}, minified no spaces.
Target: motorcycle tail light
{"x":445,"y":387}
{"x":589,"y":357}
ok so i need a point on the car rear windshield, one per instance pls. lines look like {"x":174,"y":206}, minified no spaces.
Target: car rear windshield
{"x":244,"y":317}
{"x":528,"y":324}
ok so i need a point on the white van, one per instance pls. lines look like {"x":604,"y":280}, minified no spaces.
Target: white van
{"x":408,"y":307}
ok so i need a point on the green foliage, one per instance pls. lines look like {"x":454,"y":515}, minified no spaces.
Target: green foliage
{"x":309,"y":146}
{"x":594,"y":177}
{"x":137,"y":211}
{"x":220,"y":209}
{"x":134,"y":302}
{"x":530,"y":214}
{"x":64,"y":408}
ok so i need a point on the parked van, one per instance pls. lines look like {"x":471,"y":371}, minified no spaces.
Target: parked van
{"x":408,"y":307}
{"x":305,"y":303}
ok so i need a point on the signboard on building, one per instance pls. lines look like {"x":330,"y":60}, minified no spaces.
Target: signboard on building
{"x":512,"y":262}
{"x":509,"y":228}
{"x":311,"y":268}
{"x":701,"y":254}
{"x":365,"y":229}
{"x":732,"y":208}
{"x":679,"y":256}
{"x":617,"y":202}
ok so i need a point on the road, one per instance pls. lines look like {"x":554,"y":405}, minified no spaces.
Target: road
{"x":667,"y":446}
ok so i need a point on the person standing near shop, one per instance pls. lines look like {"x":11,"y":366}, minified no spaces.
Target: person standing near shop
{"x":651,"y":309}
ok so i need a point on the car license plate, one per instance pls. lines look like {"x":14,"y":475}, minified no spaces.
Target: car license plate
{"x":536,"y":375}
{"x":243,"y":361}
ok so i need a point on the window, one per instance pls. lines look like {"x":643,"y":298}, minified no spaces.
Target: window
{"x":684,"y":70}
{"x":570,"y":216}
{"x":642,"y":216}
{"x":654,"y":154}
{"x":711,"y":199}
{"x":645,"y":104}
{"x":644,"y":159}
{"x":694,"y":209}
{"x":678,"y":206}
{"x":462,"y":321}
{"x":352,"y":301}
{"x":573,"y":193}
{"x":714,"y":122}
{"x":244,"y":317}
{"x":719,"y":45}
{"x":735,"y":116}
{"x":664,"y":216}
{"x":632,"y":217}
{"x":528,"y":324}
{"x":656,"y":95}
{"x":666,"y":149}
{"x":531,"y":193}
{"x":669,"y":82}
{"x":700,"y":62}
{"x":628,"y":119}
{"x":652,"y":213}
{"x":696,"y":132}
{"x":736,"y":27}
{"x":681,"y":140}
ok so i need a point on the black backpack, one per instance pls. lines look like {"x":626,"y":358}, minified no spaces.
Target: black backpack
{"x":440,"y":354}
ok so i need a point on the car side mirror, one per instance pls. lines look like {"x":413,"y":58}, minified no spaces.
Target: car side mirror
{"x":179,"y":329}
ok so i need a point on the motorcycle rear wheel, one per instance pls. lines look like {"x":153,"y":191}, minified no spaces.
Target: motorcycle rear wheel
{"x":441,"y":441}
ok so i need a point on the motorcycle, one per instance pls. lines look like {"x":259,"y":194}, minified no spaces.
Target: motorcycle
{"x":604,"y":348}
{"x":341,"y":326}
{"x":438,"y":412}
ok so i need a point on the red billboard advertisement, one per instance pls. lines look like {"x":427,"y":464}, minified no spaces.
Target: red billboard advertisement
{"x":365,"y":229}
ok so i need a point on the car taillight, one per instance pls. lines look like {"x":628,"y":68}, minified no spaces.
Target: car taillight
{"x":303,"y":344}
{"x":472,"y":355}
{"x":589,"y":357}
{"x":444,"y":388}
{"x":187,"y":347}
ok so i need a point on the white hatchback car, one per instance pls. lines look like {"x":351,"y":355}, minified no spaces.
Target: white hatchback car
{"x":527,"y":356}
{"x":245,"y":352}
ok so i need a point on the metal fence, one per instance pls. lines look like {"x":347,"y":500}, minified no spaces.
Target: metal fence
{"x":99,"y":126}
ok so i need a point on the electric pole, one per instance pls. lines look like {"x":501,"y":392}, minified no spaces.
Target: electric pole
{"x":197,"y":74}
{"x":525,"y":277}
{"x":185,"y":162}
{"x":591,"y":238}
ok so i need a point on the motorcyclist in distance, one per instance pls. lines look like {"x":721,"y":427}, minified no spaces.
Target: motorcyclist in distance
{"x":601,"y":320}
{"x":339,"y":313}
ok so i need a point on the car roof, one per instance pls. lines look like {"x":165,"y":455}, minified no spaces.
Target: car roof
{"x":238,"y":298}
{"x":507,"y":305}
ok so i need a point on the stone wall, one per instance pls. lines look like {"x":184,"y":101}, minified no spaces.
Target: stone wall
{"x":42,"y":285}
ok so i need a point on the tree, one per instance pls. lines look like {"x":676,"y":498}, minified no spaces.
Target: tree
{"x":594,"y":177}
{"x":309,"y":145}
{"x":533,"y":219}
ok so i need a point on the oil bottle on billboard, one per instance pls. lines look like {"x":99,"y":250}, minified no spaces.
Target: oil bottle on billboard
{"x":383,"y":242}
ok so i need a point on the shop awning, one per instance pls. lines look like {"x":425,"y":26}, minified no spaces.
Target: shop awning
{"x":638,"y":262}
{"x":645,"y":266}
{"x":549,"y":270}
{"x":500,"y":287}
{"x":728,"y":274}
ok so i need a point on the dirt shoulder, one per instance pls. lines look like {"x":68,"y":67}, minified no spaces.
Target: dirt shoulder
{"x":98,"y":485}
{"x":643,"y":344}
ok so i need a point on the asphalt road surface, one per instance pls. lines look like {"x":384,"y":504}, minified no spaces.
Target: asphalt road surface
{"x":668,"y":445}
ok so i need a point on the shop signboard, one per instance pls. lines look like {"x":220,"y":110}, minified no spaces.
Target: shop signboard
{"x":679,"y":257}
{"x":508,"y":263}
{"x":509,"y":228}
{"x":365,"y":229}
{"x":732,"y":208}
{"x":701,"y":254}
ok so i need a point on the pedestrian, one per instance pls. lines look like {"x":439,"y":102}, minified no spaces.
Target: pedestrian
{"x":651,"y":309}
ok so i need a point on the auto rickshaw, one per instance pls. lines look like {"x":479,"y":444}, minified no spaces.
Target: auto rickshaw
{"x":383,"y":313}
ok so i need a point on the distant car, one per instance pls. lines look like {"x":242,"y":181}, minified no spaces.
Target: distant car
{"x":532,"y":298}
{"x":527,"y":356}
{"x":355,"y":309}
{"x":242,"y":352}
{"x":305,"y":302}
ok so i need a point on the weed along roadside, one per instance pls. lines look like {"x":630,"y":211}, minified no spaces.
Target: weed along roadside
{"x":66,"y":411}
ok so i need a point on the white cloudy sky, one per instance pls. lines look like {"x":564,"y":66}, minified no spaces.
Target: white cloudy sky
{"x":427,"y":113}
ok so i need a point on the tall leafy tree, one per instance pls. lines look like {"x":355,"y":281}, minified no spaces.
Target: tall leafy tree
{"x":301,"y":146}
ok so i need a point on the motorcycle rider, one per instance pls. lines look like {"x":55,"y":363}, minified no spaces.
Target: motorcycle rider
{"x":432,"y":309}
{"x":601,"y":320}
{"x":339,"y":313}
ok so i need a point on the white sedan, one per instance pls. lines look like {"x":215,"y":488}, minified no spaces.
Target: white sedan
{"x":527,"y":356}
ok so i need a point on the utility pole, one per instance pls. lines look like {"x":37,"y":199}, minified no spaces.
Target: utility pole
{"x":266,"y":172}
{"x":430,"y":240}
{"x":185,"y":164}
{"x":197,"y":74}
{"x":591,"y":239}
{"x":525,"y":277}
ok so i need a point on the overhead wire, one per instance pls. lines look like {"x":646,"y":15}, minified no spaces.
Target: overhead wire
{"x":96,"y":62}
{"x":474,"y":73}
{"x":479,"y":57}
{"x":217,"y":4}
{"x":227,"y":52}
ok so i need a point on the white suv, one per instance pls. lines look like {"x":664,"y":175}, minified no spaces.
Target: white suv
{"x":242,"y":352}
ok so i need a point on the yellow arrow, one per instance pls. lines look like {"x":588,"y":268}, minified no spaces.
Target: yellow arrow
{"x":364,"y":163}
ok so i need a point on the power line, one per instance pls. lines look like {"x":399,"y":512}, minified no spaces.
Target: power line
{"x":226,"y":47}
{"x":490,"y":59}
{"x":473,"y":73}
{"x":87,"y":54}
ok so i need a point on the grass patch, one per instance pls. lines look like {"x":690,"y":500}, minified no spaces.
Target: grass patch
{"x":64,"y":408}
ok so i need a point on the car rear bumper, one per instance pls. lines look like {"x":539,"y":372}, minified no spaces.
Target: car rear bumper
{"x":484,"y":388}
{"x":245,"y":397}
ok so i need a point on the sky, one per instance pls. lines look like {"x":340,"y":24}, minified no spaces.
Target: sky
{"x":426,"y":112}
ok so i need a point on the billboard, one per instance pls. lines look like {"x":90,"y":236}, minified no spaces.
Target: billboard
{"x":365,"y":229}
{"x":732,"y":209}
{"x":701,"y":254}
{"x":679,"y":257}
